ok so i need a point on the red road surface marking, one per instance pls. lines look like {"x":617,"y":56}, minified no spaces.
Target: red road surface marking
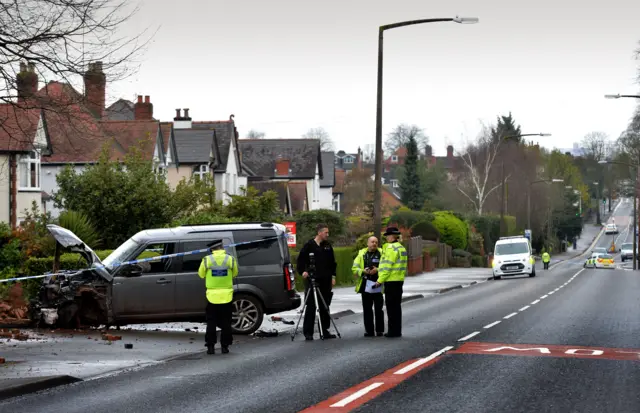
{"x":542,"y":350}
{"x":370,"y":389}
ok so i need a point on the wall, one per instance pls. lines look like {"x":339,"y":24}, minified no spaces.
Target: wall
{"x":174,"y":176}
{"x":49,"y":184}
{"x":4,"y":189}
{"x":313,"y":189}
{"x":24,"y":201}
{"x":326,"y":198}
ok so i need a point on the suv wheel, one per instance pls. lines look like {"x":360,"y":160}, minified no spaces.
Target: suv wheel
{"x":247,"y":314}
{"x":497,"y":277}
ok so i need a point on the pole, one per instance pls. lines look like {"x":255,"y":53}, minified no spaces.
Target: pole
{"x":377,"y":202}
{"x":635,"y":218}
{"x":502,"y":225}
{"x":529,"y":207}
{"x":598,"y":220}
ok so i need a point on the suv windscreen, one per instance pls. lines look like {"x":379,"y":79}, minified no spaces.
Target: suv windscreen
{"x":121,"y":253}
{"x":627,"y":246}
{"x":513,"y":248}
{"x":258,"y":257}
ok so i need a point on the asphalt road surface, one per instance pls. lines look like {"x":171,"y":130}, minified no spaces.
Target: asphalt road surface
{"x":564,"y":341}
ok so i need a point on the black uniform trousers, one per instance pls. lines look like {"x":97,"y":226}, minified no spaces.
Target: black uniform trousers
{"x":219,"y":315}
{"x":546,"y":265}
{"x":393,"y":298}
{"x":372,"y":303}
{"x":323,"y":287}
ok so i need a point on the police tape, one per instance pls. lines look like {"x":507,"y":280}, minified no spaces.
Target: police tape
{"x":150,"y":259}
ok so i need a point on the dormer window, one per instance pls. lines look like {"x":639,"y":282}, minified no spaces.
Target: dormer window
{"x":348,"y":159}
{"x":29,"y":171}
{"x":394,"y":183}
{"x":394,"y":158}
{"x":200,"y":171}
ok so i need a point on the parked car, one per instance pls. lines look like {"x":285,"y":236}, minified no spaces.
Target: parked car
{"x":170,"y":289}
{"x":626,"y":251}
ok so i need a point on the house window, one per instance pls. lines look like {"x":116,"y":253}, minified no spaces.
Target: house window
{"x":29,"y":171}
{"x":394,"y":158}
{"x":394,"y":183}
{"x":201,"y":170}
{"x":348,"y":159}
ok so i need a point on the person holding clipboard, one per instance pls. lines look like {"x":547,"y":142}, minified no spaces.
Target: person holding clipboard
{"x":365,"y":268}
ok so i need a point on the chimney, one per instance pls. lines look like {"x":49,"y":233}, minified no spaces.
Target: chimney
{"x":282,"y":167}
{"x":182,"y":122}
{"x":27,"y":81}
{"x":143,"y":110}
{"x":95,"y":83}
{"x":359,"y":158}
{"x":450,"y":152}
{"x":428,"y":151}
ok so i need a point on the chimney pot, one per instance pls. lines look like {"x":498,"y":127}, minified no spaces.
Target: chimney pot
{"x":428,"y":151}
{"x":186,"y":113}
{"x":450,"y":151}
{"x":178,"y":116}
{"x":95,"y":83}
{"x":147,"y":99}
{"x":32,"y":67}
{"x":23,"y":67}
{"x":143,"y":111}
{"x":139,"y":99}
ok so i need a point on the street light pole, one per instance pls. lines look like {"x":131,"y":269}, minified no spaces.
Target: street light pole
{"x":503,"y":180}
{"x":377,"y":201}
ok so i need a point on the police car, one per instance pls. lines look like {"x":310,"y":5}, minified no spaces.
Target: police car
{"x":513,"y":256}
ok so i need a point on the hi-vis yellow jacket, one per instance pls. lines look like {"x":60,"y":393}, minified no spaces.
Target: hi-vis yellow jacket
{"x":393,"y":263}
{"x":546,"y":257}
{"x":358,"y":266}
{"x":219,"y":269}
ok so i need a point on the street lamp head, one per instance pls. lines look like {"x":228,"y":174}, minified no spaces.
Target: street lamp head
{"x":466,"y":20}
{"x":603,"y":162}
{"x":557,"y":180}
{"x":612,"y":96}
{"x":545,"y":134}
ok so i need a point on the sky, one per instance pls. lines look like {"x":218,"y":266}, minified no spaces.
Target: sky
{"x":283,"y":66}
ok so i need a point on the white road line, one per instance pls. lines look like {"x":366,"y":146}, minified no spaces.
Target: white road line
{"x":535,"y":302}
{"x":544,"y":296}
{"x":524,"y":308}
{"x":551,"y":292}
{"x":495,"y":323}
{"x":510,"y":315}
{"x":465,"y":338}
{"x":357,"y":395}
{"x":420,"y":362}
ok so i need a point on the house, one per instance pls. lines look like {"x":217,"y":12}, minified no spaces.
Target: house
{"x":327,"y":198}
{"x":348,"y":161}
{"x":338,"y":189}
{"x":452,"y":164}
{"x":205,"y":147}
{"x":291,"y":167}
{"x":23,"y":141}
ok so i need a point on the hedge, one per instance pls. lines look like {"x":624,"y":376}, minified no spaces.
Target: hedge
{"x":453,"y":231}
{"x":344,"y":258}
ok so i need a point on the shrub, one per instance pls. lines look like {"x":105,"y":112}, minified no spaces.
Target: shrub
{"x":306,"y":222}
{"x":361,"y":242}
{"x":452,"y":230}
{"x":460,"y":262}
{"x":426,"y":230}
{"x":344,"y":259}
{"x":489,"y":227}
{"x":79,"y":224}
{"x":407,"y":218}
{"x":476,"y":243}
{"x":477,"y":261}
{"x":460,"y":253}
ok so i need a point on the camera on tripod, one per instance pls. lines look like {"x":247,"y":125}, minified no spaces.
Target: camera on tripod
{"x":312,"y":266}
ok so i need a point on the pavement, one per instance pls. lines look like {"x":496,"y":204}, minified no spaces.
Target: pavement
{"x":300,"y":374}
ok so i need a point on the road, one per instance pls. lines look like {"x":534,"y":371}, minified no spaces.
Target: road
{"x":563,"y":341}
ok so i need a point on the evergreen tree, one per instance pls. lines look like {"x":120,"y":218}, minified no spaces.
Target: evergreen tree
{"x":411,"y":188}
{"x":506,"y":127}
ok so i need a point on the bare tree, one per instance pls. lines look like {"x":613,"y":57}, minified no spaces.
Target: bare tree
{"x":326,"y":144}
{"x":44,"y":40}
{"x":595,"y":145}
{"x":254,"y":134}
{"x":478,"y":160}
{"x":629,"y":140}
{"x":400,"y":136}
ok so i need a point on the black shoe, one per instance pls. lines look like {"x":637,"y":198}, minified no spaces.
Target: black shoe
{"x":380,"y":334}
{"x":211,"y":350}
{"x":388,"y":335}
{"x":328,"y":335}
{"x":225,"y":350}
{"x":308,"y":338}
{"x":368,"y":334}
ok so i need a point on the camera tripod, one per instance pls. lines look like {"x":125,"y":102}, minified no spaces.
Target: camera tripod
{"x":313,"y":291}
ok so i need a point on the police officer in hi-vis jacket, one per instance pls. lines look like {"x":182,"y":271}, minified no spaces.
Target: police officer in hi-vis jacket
{"x":365,"y":268}
{"x":218,"y":269}
{"x":391,"y":273}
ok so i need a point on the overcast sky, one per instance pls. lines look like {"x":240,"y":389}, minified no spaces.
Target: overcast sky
{"x":284,"y":66}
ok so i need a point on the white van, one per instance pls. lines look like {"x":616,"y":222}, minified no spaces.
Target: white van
{"x":513,"y":256}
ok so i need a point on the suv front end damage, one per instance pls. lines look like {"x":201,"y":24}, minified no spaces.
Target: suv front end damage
{"x":77,"y":297}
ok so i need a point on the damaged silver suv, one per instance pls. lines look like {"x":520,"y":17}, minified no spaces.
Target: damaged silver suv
{"x":169,"y":289}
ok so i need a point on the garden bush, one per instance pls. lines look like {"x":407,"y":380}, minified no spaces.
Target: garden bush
{"x":306,"y":222}
{"x":452,"y":230}
{"x":476,"y":243}
{"x":477,"y":261}
{"x":460,"y":253}
{"x":426,"y":230}
{"x":406,"y":218}
{"x":344,"y":259}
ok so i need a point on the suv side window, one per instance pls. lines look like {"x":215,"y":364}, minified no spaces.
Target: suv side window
{"x":191,"y":262}
{"x":258,"y":257}
{"x":161,"y":266}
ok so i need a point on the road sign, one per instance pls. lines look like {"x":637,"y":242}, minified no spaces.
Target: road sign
{"x":291,"y":233}
{"x":527,"y":234}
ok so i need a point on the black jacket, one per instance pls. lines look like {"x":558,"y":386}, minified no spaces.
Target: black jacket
{"x":324,"y":259}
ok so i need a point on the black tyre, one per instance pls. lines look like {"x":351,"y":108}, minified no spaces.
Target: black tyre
{"x":497,"y":277}
{"x":247,"y":315}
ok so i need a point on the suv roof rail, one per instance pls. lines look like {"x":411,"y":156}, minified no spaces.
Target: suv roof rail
{"x":263,"y":224}
{"x":513,"y":237}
